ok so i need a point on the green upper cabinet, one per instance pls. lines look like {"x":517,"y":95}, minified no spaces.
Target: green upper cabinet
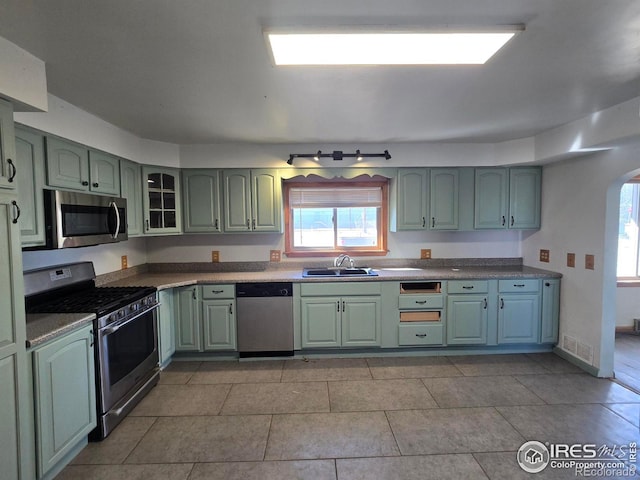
{"x":252,"y":201}
{"x":8,"y":167}
{"x":443,"y":204}
{"x":507,"y":198}
{"x":524,"y":197}
{"x":201,"y":201}
{"x":412,"y":198}
{"x":131,"y":189}
{"x":161,"y":200}
{"x":74,"y":167}
{"x":30,"y":163}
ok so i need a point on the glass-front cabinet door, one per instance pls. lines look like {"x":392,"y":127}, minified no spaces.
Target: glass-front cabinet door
{"x":161,"y":200}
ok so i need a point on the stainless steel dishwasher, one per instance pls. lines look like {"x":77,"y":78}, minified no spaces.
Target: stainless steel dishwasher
{"x":265,"y":319}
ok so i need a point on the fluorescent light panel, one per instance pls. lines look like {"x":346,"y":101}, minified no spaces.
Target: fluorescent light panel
{"x":386,"y":48}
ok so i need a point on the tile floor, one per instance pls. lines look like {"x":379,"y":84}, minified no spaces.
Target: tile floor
{"x":347,"y":419}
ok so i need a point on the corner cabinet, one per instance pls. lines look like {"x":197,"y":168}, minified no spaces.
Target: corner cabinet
{"x":131,"y":190}
{"x":65,"y":396}
{"x":252,"y":201}
{"x":411,"y":199}
{"x":8,"y":169}
{"x":188,"y":336}
{"x":161,"y":200}
{"x":201,"y":201}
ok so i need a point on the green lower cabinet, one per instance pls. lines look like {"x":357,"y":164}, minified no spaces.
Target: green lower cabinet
{"x":218,"y":318}
{"x":188,"y":335}
{"x":166,"y":331}
{"x":341,"y":322}
{"x":550,"y":311}
{"x":467,"y":319}
{"x":65,"y":396}
{"x":518,"y":318}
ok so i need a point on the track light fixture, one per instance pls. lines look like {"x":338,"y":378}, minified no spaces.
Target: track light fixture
{"x":338,"y":155}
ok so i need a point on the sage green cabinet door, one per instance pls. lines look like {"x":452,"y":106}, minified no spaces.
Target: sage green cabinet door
{"x":67,"y":165}
{"x":412,"y":199}
{"x":321,"y":322}
{"x":443,"y":204}
{"x":550,"y":314}
{"x":518,"y":318}
{"x":131,"y":189}
{"x":467,"y":319}
{"x":360,"y":321}
{"x":8,"y":166}
{"x":237,"y":200}
{"x":266,"y":201}
{"x":161,"y":196}
{"x":65,"y":401}
{"x":201,"y":193}
{"x":188,"y":325}
{"x":30,"y":163}
{"x":104,"y":173}
{"x":524,"y":197}
{"x":490,"y":207}
{"x":166,"y":330}
{"x":9,"y":419}
{"x":219,"y":323}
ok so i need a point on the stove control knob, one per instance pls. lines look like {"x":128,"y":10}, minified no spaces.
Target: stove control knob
{"x":121,"y":314}
{"x":113,"y":317}
{"x":133,"y":307}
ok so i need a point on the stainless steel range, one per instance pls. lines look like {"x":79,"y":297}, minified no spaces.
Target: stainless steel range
{"x":126,"y":346}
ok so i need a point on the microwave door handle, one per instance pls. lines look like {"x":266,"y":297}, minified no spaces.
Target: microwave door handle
{"x":117,"y":229}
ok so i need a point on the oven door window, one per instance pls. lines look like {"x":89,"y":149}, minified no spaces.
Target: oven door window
{"x":129,"y":346}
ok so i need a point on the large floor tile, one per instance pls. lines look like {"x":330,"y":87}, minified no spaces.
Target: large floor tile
{"x":363,"y":395}
{"x":299,"y":470}
{"x":431,"y":467}
{"x":570,"y":424}
{"x":330,"y":435}
{"x":411,"y":367}
{"x":178,"y":373}
{"x":628,"y":411}
{"x":478,"y":365}
{"x":325,"y":369}
{"x":452,"y":430}
{"x":177,"y":400}
{"x":203,"y":439}
{"x":118,"y":445}
{"x":577,"y":388}
{"x":479,"y":392}
{"x":504,"y":466}
{"x":238,"y":372}
{"x":129,"y":472}
{"x":251,"y":398}
{"x":554,"y":363}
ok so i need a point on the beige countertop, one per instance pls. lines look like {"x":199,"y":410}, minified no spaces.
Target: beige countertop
{"x":42,"y":327}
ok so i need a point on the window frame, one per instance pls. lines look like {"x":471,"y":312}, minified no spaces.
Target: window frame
{"x":633,"y":280}
{"x":382,"y":224}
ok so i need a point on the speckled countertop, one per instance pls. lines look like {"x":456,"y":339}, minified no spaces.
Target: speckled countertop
{"x":42,"y":327}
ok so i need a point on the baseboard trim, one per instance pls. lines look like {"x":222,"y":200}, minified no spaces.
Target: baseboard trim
{"x":590,"y":369}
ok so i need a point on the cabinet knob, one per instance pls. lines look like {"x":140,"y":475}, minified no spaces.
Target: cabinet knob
{"x":547,"y":284}
{"x":85,"y":183}
{"x":95,"y":185}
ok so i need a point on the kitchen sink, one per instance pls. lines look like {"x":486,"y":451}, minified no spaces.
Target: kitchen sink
{"x":339,"y":272}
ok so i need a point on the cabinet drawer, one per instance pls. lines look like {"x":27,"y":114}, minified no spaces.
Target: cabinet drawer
{"x":420,"y":334}
{"x":210,"y":292}
{"x":420,"y":301}
{"x":519,"y":286}
{"x":468,"y":286}
{"x":339,"y":288}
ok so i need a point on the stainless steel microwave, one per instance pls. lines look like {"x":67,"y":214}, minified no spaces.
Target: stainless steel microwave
{"x":74,"y":219}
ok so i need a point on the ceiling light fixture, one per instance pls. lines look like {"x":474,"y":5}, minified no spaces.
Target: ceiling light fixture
{"x":357,"y":46}
{"x":338,"y":155}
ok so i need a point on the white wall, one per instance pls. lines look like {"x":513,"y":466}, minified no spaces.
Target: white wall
{"x":23,"y":78}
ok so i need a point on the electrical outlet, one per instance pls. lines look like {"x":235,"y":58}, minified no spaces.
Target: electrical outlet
{"x":571,"y":260}
{"x":215,"y":256}
{"x":425,"y":253}
{"x":274,"y":255}
{"x":544,"y":255}
{"x":124,"y":262}
{"x":589,"y":262}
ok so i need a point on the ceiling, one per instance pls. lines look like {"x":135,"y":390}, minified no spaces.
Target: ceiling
{"x":198,"y":71}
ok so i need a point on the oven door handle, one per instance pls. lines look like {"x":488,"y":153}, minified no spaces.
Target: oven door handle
{"x":117,"y":326}
{"x":117,"y":229}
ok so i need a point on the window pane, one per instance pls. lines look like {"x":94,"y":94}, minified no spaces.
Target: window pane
{"x":628,"y":231}
{"x":312,"y":227}
{"x":357,"y":227}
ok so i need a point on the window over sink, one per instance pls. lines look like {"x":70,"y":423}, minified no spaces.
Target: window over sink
{"x":326,"y":217}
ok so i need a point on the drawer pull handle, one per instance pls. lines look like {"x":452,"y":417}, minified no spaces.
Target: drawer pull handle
{"x":518,"y":285}
{"x":216,"y":224}
{"x":17,"y":209}
{"x":468,"y":287}
{"x":231,"y":309}
{"x":433,"y":222}
{"x":421,"y":302}
{"x":504,"y":221}
{"x":485,"y":304}
{"x":424,"y":222}
{"x":217,"y":291}
{"x":14,"y":170}
{"x":501,"y":303}
{"x":513,"y":220}
{"x":421,"y":335}
{"x":338,"y":304}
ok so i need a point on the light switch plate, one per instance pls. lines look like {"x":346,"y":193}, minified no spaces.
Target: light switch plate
{"x":215,"y":256}
{"x":571,"y":260}
{"x":124,"y":262}
{"x":544,"y":255}
{"x":425,"y":253}
{"x":589,"y":262}
{"x":274,"y":255}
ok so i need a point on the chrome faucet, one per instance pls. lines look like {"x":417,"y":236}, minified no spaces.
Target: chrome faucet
{"x":339,"y":260}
